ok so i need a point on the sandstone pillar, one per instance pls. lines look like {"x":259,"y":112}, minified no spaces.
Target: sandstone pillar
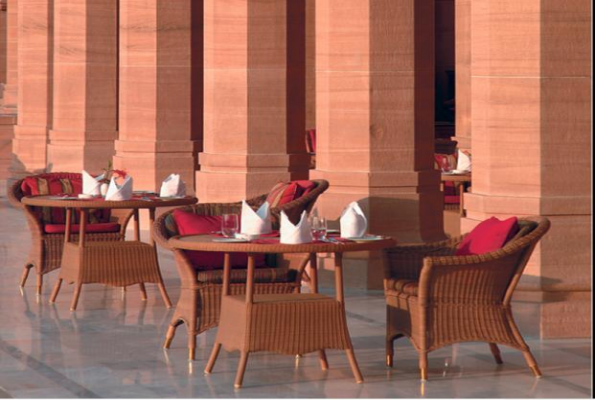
{"x":254,"y":95}
{"x":375,"y":119}
{"x":463,"y":73}
{"x":531,"y":123}
{"x":85,"y":85}
{"x":310,"y":64}
{"x":160,"y":109}
{"x":9,"y":99}
{"x":35,"y":95}
{"x":3,"y":38}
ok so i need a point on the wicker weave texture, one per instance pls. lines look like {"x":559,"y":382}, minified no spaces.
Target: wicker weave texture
{"x":459,"y":298}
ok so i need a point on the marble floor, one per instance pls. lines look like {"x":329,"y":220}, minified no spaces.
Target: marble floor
{"x":111,"y":347}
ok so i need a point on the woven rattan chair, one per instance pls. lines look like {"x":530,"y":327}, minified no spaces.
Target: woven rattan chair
{"x":46,"y":248}
{"x":200,"y":298}
{"x":436,"y":298}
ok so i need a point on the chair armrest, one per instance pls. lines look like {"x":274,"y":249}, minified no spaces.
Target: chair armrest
{"x":406,"y":261}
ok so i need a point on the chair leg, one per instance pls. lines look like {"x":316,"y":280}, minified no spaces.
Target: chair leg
{"x":25,"y":274}
{"x":56,"y":291}
{"x":390,"y":352}
{"x":164,"y":295}
{"x":323,"y":360}
{"x":423,"y":366}
{"x":75,"y":297}
{"x":496,"y":353}
{"x":169,"y":336}
{"x":191,"y":345}
{"x":241,"y":370}
{"x":532,"y":363}
{"x":143,"y":291}
{"x":213,"y":358}
{"x":39,"y":283}
{"x":354,"y":367}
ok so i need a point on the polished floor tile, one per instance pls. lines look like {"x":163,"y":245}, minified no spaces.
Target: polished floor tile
{"x":111,"y":347}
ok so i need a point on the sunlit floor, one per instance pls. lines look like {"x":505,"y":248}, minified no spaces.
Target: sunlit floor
{"x":111,"y":347}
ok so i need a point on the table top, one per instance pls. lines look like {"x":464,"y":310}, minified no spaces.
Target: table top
{"x":466,"y":177}
{"x":206,"y":243}
{"x":138,"y":201}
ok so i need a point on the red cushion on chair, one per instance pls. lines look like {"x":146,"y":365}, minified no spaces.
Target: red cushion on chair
{"x":490,"y":235}
{"x":285,"y":192}
{"x":108,"y":227}
{"x":192,"y":224}
{"x":452,"y":199}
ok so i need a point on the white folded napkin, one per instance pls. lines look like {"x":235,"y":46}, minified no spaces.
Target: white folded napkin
{"x":463,"y":162}
{"x":353,"y":221}
{"x":256,"y":223}
{"x":117,"y":192}
{"x":173,"y":186}
{"x":295,"y":234}
{"x":91,"y":186}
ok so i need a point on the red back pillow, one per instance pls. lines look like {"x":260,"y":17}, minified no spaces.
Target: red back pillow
{"x":490,"y":235}
{"x":285,"y":192}
{"x":192,"y":224}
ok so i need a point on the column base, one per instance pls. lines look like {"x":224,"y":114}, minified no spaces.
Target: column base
{"x":562,"y":259}
{"x":76,"y":155}
{"x":7,"y":123}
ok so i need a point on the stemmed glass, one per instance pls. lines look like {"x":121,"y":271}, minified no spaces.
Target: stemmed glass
{"x":229,"y":225}
{"x":318,"y":226}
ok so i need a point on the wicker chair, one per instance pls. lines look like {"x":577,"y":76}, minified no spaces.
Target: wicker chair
{"x":436,"y":299}
{"x":46,"y":248}
{"x":200,"y":298}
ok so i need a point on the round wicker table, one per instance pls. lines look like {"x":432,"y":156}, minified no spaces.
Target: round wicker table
{"x":297,"y":323}
{"x":114,"y":263}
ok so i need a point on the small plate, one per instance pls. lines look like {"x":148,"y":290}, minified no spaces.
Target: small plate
{"x":333,"y":231}
{"x":229,"y":240}
{"x":143,"y":192}
{"x":370,"y":238}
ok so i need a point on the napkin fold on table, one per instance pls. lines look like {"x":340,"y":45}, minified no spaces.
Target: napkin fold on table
{"x":463,"y":162}
{"x":91,"y":185}
{"x":121,"y":192}
{"x":353,"y":221}
{"x":295,"y":234}
{"x":256,"y":222}
{"x":173,"y":186}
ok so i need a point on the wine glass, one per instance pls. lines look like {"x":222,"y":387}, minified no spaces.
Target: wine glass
{"x":229,"y":225}
{"x":318,"y":226}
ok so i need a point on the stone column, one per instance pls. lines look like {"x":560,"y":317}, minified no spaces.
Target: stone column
{"x":7,"y":92}
{"x":9,"y":103}
{"x":254,"y":95}
{"x":3,"y":43}
{"x":531,"y":123}
{"x":35,"y":87}
{"x":85,"y":85}
{"x":310,"y":64}
{"x":375,"y":119}
{"x":463,"y":73}
{"x":160,"y":110}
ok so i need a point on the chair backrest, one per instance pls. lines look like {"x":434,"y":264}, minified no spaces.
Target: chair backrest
{"x":165,"y":226}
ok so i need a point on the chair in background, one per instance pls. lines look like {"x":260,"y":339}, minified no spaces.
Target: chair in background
{"x":437,"y":299}
{"x":200,"y":299}
{"x":47,"y":225}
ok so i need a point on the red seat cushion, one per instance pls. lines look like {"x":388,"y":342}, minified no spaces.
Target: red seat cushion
{"x":285,"y":192}
{"x":452,"y":199}
{"x":192,"y":224}
{"x":108,"y":227}
{"x":490,"y":235}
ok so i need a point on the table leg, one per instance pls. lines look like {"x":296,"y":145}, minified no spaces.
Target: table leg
{"x":241,"y":370}
{"x":314,"y":289}
{"x":341,"y":299}
{"x":160,"y":284}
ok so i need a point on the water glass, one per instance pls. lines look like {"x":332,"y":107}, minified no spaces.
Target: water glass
{"x":229,"y":225}
{"x":318,"y":226}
